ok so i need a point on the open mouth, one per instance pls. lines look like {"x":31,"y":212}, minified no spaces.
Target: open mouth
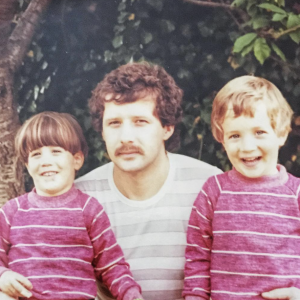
{"x":251,"y":160}
{"x":50,"y":173}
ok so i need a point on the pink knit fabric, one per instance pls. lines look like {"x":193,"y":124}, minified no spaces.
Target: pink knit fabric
{"x":243,"y":237}
{"x":58,"y":243}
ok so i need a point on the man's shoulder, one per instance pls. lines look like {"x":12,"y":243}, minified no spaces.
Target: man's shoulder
{"x":183,"y":161}
{"x":96,"y":174}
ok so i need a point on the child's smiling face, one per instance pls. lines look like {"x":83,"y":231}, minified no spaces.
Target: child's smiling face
{"x":52,"y":169}
{"x":251,"y":143}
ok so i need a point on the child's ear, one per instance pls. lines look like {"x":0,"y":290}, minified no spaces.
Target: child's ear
{"x":282,"y":139}
{"x":78,"y":160}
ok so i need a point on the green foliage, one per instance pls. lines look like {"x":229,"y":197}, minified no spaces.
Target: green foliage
{"x":202,"y":48}
{"x":267,"y":22}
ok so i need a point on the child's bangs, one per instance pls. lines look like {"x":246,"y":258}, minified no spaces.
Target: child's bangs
{"x":51,"y":132}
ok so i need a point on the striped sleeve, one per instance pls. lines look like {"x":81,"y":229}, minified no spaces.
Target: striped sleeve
{"x":6,"y":215}
{"x":199,"y":243}
{"x":110,"y":265}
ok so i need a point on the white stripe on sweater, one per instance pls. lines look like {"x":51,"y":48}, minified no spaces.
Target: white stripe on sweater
{"x":60,"y":276}
{"x":47,"y":209}
{"x":48,"y":226}
{"x":76,"y":293}
{"x":254,"y":274}
{"x":234,"y":293}
{"x":5,"y":217}
{"x":100,"y":213}
{"x":256,"y":233}
{"x":257,"y":254}
{"x":255,"y":213}
{"x":86,"y":203}
{"x":99,"y":235}
{"x":110,"y":264}
{"x":49,"y":258}
{"x":197,"y":276}
{"x":50,"y":245}
{"x":106,"y":249}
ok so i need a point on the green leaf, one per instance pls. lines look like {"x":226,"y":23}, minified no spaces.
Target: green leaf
{"x":117,"y":41}
{"x":278,"y":51}
{"x":280,"y":2}
{"x":278,"y":17}
{"x":272,"y":7}
{"x":238,"y":3}
{"x":293,"y":20}
{"x":295,"y":36}
{"x":243,"y":41}
{"x":247,"y":49}
{"x":260,"y":22}
{"x":261,"y":50}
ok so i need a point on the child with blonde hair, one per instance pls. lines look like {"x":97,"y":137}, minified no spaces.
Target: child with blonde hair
{"x":243,"y":235}
{"x":55,"y":240}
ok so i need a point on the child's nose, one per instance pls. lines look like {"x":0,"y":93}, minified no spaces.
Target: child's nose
{"x":248,"y":144}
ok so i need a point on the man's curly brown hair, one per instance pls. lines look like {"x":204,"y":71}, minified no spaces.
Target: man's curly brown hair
{"x":134,"y":81}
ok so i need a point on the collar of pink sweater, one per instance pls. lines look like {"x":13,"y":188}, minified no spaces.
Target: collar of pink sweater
{"x":55,"y":201}
{"x":275,"y":180}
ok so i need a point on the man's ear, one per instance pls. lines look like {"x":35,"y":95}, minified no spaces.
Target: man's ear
{"x":168,"y":131}
{"x":78,"y":160}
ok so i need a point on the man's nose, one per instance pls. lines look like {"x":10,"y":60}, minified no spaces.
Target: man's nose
{"x":127,"y":133}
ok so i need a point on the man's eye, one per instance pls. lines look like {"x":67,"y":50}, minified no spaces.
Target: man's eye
{"x":260,"y":132}
{"x":141,"y":121}
{"x":113,"y":123}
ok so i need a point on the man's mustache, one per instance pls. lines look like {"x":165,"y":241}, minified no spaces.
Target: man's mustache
{"x":128,"y":149}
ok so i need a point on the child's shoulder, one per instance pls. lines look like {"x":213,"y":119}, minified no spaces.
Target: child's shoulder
{"x":293,"y":183}
{"x":87,"y":201}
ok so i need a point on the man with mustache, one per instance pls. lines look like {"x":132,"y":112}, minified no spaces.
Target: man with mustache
{"x":146,"y":191}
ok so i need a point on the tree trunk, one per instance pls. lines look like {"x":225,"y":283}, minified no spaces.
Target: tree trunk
{"x":13,"y":47}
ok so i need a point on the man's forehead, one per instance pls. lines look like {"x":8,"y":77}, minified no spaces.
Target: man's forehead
{"x":144,"y":106}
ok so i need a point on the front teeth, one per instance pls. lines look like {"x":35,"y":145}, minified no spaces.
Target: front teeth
{"x":49,"y":173}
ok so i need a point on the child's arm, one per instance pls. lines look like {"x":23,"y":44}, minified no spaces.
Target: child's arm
{"x":198,"y":249}
{"x":109,"y":262}
{"x":290,"y":293}
{"x":11,"y":283}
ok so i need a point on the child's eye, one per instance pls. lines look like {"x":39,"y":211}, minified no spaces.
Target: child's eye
{"x":234,"y":136}
{"x":56,"y":150}
{"x":33,"y":154}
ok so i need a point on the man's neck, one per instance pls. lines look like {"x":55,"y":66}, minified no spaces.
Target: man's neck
{"x":144,"y":184}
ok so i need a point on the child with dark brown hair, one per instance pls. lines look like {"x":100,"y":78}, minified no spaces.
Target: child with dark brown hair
{"x":56,"y":240}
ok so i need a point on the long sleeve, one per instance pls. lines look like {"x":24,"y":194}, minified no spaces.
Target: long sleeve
{"x":198,"y":249}
{"x":6,"y":214}
{"x":109,"y":262}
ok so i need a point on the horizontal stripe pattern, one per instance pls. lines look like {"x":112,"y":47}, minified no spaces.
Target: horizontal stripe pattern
{"x":152,"y":233}
{"x":255,"y":230}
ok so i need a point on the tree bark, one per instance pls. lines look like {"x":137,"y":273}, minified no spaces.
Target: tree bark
{"x":13,"y":46}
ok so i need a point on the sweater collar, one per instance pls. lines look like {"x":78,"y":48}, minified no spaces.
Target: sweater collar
{"x":52,"y":202}
{"x":269,"y":181}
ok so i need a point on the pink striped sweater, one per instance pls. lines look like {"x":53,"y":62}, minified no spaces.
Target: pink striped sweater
{"x":243,"y":237}
{"x":58,"y":243}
